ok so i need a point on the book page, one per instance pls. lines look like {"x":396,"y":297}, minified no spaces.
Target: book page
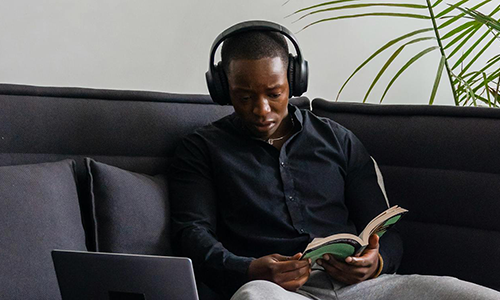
{"x":317,"y":242}
{"x":381,"y":223}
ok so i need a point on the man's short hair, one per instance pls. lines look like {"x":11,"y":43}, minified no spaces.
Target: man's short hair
{"x":254,"y":45}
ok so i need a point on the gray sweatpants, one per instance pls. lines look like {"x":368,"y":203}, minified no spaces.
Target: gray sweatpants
{"x":321,"y":286}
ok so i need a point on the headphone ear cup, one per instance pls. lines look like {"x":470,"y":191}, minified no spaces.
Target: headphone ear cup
{"x":291,"y":75}
{"x":217,"y":84}
{"x":224,"y":85}
{"x":300,"y":74}
{"x":301,"y":77}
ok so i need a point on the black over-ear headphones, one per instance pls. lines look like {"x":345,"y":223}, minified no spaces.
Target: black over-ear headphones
{"x":216,"y":77}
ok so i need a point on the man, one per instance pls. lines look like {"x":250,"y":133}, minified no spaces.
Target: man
{"x":251,"y":190}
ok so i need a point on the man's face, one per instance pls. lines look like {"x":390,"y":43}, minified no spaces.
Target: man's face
{"x":259,"y":94}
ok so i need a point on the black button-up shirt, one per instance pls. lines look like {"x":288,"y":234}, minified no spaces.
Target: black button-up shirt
{"x":235,"y":198}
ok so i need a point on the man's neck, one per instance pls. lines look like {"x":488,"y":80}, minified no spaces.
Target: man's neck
{"x":286,"y":130}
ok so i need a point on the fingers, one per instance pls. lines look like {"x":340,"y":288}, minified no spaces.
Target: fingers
{"x":353,"y":269}
{"x":364,"y":261}
{"x":373,"y":242}
{"x":279,"y":257}
{"x":291,"y":265}
{"x":358,"y":261}
{"x":293,"y":274}
{"x":350,"y":277}
{"x":289,"y":272}
{"x":295,"y":284}
{"x":344,"y":272}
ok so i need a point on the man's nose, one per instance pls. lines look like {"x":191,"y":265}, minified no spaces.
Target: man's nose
{"x":261,"y":107}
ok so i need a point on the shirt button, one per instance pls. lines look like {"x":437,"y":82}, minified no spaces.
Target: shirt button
{"x":301,"y":230}
{"x":291,"y":198}
{"x":283,"y":164}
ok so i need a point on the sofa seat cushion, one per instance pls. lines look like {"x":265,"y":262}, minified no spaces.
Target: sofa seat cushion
{"x":39,"y":213}
{"x":130,"y":210}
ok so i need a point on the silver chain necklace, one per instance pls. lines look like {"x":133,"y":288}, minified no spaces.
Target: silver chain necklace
{"x":271,"y":141}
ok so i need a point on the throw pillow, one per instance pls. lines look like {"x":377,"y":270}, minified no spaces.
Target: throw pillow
{"x":39,"y":212}
{"x":131,"y":210}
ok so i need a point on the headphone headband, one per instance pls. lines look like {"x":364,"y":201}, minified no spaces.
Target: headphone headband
{"x":297,"y":72}
{"x":252,"y":26}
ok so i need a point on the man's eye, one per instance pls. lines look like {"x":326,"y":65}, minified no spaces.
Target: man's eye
{"x":275,"y":95}
{"x":245,"y":98}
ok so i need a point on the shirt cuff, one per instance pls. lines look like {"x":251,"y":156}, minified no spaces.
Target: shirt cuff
{"x":236,"y":274}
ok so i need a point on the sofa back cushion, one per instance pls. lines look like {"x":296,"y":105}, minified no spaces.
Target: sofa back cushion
{"x":136,"y":130}
{"x":39,"y":212}
{"x":442,"y":164}
{"x":131,"y":211}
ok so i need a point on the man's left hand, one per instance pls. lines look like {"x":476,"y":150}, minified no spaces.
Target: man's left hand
{"x":354,"y":269}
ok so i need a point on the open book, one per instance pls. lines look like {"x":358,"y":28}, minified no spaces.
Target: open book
{"x":343,"y":245}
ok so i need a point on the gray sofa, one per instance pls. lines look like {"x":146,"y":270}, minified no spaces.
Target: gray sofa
{"x":83,"y":169}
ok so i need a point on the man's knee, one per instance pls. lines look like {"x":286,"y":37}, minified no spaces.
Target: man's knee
{"x":259,"y":289}
{"x":445,"y":287}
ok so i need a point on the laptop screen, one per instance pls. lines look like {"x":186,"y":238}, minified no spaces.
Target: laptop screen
{"x":115,"y":276}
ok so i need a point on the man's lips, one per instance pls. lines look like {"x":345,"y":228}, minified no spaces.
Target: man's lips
{"x":263,"y":126}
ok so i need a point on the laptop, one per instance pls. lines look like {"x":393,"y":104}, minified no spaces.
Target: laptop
{"x":114,"y":276}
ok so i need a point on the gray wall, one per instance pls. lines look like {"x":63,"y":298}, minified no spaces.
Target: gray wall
{"x":163,"y":46}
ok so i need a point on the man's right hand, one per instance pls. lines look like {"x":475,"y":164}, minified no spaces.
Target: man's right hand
{"x":287,"y":271}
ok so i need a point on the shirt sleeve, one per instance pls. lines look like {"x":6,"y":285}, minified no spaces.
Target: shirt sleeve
{"x":365,"y":199}
{"x":194,"y":219}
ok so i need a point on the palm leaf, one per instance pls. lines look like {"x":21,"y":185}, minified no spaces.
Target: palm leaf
{"x":364,"y":5}
{"x":469,"y":51}
{"x":469,"y":93}
{"x":484,"y":19}
{"x":486,"y":88}
{"x":476,"y":57}
{"x":463,"y":42}
{"x":451,"y":8}
{"x":496,"y":91}
{"x":376,"y":14}
{"x":464,"y":83}
{"x":471,"y":77}
{"x":476,"y":85}
{"x":438,"y":79}
{"x":460,"y":16}
{"x":493,"y":58}
{"x":490,"y":77}
{"x":482,"y":99}
{"x":409,"y":63}
{"x":389,"y":61}
{"x":466,"y":39}
{"x":380,"y":50}
{"x":464,"y":27}
{"x":436,"y":3}
{"x":319,"y":5}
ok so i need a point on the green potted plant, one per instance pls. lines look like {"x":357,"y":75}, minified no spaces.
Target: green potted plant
{"x":460,"y":34}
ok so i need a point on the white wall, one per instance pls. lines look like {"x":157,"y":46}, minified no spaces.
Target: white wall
{"x":163,"y":46}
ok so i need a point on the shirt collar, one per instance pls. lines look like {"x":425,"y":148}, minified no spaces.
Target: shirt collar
{"x":295,"y":113}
